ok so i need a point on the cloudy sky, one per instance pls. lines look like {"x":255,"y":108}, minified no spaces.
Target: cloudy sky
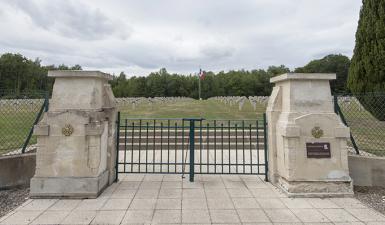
{"x":144,"y":35}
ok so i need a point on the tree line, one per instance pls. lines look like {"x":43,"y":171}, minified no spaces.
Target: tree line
{"x":18,"y":73}
{"x":162,"y":83}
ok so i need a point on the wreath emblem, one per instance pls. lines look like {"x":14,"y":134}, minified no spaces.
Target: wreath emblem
{"x":67,"y":130}
{"x":317,"y":132}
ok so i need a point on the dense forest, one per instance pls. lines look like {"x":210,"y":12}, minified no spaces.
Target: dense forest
{"x":18,"y":74}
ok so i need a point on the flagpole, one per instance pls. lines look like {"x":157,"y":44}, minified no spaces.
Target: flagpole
{"x":199,"y":88}
{"x":199,"y":83}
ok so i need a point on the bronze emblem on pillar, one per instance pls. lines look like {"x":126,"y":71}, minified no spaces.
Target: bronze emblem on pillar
{"x":67,"y":130}
{"x":317,"y":132}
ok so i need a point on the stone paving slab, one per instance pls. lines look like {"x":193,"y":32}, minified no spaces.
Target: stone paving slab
{"x":212,"y":199}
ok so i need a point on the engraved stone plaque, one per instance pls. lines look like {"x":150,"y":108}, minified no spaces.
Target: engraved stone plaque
{"x":318,"y":150}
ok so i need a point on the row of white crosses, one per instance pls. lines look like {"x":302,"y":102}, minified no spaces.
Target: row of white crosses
{"x":227,"y":100}
{"x":17,"y":103}
{"x":258,"y":99}
{"x":347,"y":100}
{"x":240,"y":100}
{"x":134,"y":102}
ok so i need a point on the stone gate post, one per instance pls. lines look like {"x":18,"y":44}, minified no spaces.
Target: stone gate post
{"x":307,"y":140}
{"x":75,"y":139}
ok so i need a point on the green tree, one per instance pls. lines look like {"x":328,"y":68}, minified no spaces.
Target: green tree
{"x":277,"y":70}
{"x":338,"y":64}
{"x":367,"y":70}
{"x":18,"y":73}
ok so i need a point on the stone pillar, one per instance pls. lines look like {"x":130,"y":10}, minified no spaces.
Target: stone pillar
{"x":307,"y":140}
{"x":75,"y":139}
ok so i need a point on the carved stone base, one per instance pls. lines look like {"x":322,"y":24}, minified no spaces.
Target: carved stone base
{"x":316,"y":189}
{"x":68,"y":187}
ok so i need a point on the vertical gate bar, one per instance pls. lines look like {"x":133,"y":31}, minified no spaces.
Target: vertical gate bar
{"x":147,"y":147}
{"x":153,"y":148}
{"x":251,"y":150}
{"x":236,"y":147}
{"x":207,"y":145}
{"x":182,"y":147}
{"x":192,"y":146}
{"x":265,"y":146}
{"x":161,"y":146}
{"x":243,"y":144}
{"x":132,"y":147}
{"x":257,"y":129}
{"x":168,"y":146}
{"x":175,"y":151}
{"x":222,"y":145}
{"x":125,"y":145}
{"x":117,"y":146}
{"x":228,"y":137}
{"x":140,"y":142}
{"x":200,"y":144}
{"x":215,"y":146}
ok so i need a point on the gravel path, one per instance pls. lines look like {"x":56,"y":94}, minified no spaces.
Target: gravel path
{"x":372,"y":196}
{"x":10,"y":199}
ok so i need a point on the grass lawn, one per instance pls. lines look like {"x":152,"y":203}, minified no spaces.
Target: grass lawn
{"x":15,"y":124}
{"x":368,"y":132}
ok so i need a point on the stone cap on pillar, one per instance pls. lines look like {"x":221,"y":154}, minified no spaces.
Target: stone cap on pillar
{"x":305,"y":92}
{"x":80,"y":90}
{"x":303,"y":76}
{"x":79,"y":73}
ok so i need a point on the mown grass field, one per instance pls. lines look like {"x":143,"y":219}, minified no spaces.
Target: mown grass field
{"x":15,"y":124}
{"x":368,"y":132}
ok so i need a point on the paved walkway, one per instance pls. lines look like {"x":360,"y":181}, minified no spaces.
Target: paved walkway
{"x":167,"y":199}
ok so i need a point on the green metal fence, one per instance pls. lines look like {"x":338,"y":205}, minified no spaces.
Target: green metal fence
{"x":19,"y":112}
{"x":192,"y":146}
{"x":365,"y":115}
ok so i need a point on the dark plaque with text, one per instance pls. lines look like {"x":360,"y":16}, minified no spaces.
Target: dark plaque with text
{"x":318,"y":150}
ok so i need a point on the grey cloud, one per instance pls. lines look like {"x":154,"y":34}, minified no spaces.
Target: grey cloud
{"x":72,"y":19}
{"x":179,"y":35}
{"x":217,"y":52}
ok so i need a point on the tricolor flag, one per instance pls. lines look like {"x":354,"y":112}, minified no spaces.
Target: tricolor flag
{"x":201,"y":74}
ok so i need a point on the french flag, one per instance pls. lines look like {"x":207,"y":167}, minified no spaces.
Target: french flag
{"x":201,"y":74}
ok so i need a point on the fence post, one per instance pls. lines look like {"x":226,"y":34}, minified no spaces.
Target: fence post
{"x":44,"y":107}
{"x":46,"y":102}
{"x":192,"y":149}
{"x":117,"y":146}
{"x":335,"y":97}
{"x":265,"y":147}
{"x":339,"y":112}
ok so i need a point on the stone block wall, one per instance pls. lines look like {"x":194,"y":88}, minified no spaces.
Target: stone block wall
{"x":17,"y":170}
{"x":367,"y":170}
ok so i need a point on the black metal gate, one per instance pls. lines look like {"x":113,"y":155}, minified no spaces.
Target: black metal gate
{"x":192,"y":146}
